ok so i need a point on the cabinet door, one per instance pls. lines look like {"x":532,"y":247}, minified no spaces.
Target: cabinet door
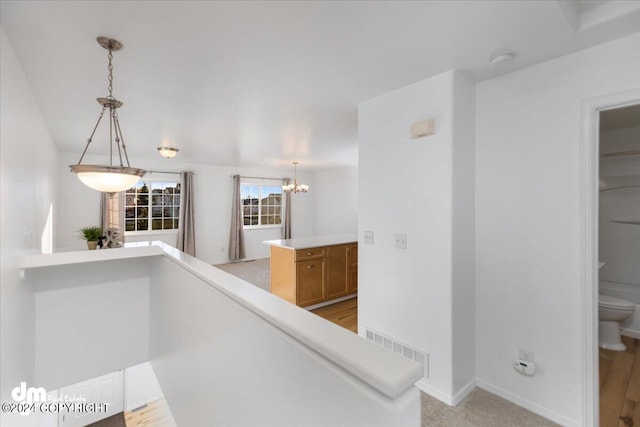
{"x":337,"y":271}
{"x":352,"y":262}
{"x":310,"y":282}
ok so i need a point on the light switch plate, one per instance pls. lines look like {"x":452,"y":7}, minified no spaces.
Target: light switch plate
{"x":368,"y":237}
{"x":400,"y":241}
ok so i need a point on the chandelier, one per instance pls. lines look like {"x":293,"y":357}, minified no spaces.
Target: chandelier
{"x":109,"y":178}
{"x":295,"y":187}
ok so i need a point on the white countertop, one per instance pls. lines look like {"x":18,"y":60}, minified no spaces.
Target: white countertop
{"x":131,"y":250}
{"x":313,"y":242}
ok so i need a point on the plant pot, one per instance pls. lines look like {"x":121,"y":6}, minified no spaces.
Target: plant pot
{"x":92,"y":244}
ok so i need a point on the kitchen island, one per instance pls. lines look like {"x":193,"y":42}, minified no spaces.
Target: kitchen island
{"x":314,"y":271}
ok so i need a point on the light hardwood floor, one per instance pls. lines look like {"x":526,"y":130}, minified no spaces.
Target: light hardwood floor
{"x":343,"y":314}
{"x":155,"y":414}
{"x":620,"y":386}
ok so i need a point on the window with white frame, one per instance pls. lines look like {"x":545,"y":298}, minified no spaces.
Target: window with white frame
{"x":261,"y":205}
{"x":152,"y":206}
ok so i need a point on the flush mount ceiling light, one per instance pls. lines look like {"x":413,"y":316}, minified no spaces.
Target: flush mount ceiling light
{"x":168,"y":152}
{"x":109,"y":178}
{"x":295,"y":187}
{"x":501,"y":58}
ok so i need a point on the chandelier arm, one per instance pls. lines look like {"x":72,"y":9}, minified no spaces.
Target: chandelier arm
{"x":124,"y":147}
{"x":118,"y":136}
{"x":92,"y":133}
{"x":110,"y":135}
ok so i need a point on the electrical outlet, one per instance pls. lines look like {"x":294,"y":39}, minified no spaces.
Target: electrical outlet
{"x":368,"y":237}
{"x":525,"y":355}
{"x":400,"y":241}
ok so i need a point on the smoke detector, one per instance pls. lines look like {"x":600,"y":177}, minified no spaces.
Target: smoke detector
{"x":501,"y":58}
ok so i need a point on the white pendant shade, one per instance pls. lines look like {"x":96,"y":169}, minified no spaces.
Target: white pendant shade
{"x":107,"y":179}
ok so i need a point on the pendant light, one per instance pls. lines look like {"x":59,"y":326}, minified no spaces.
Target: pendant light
{"x":295,"y":187}
{"x":109,"y":178}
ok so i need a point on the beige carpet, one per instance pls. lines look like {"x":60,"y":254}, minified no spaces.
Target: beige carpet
{"x":255,"y":272}
{"x":479,"y":409}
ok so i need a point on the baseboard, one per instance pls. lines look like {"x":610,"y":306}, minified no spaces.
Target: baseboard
{"x":464,"y":392}
{"x":424,"y":386}
{"x":630,"y":332}
{"x":454,"y":400}
{"x":530,"y":406}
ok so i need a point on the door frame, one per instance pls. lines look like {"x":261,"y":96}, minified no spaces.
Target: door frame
{"x":589,"y":176}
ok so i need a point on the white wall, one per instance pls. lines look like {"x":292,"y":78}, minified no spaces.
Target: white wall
{"x":219,"y":363}
{"x":336,"y":201}
{"x":27,"y":180}
{"x":463,"y":236}
{"x":619,"y":244}
{"x":407,"y":186}
{"x":79,"y":206}
{"x":141,"y":386}
{"x":91,"y":319}
{"x":527,"y":233}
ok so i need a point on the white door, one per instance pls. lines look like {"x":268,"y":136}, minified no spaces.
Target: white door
{"x":100,"y":398}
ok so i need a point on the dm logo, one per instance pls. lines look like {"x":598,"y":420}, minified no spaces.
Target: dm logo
{"x":28,"y":395}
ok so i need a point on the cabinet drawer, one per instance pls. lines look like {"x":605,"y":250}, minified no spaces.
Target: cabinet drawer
{"x":311,"y":253}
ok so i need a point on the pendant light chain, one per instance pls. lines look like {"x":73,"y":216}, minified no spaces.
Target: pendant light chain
{"x":110,"y":87}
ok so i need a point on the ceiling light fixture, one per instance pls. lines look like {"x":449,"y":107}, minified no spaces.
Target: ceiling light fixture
{"x":501,"y":58}
{"x":109,"y":178}
{"x":295,"y":187}
{"x":168,"y":152}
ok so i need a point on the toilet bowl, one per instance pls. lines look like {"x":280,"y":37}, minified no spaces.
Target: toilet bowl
{"x":612,"y":311}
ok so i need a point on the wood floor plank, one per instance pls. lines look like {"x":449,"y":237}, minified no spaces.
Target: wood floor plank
{"x":344,"y":314}
{"x":630,"y":343}
{"x":620,"y":371}
{"x":633,"y":391}
{"x":603,"y":368}
{"x":614,"y":388}
{"x":630,"y":415}
{"x":155,"y":414}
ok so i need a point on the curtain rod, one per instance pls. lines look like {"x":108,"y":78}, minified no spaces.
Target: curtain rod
{"x":260,"y":177}
{"x":621,"y":153}
{"x":173,"y":172}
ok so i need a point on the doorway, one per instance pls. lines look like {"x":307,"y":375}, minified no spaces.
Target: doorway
{"x":589,"y":233}
{"x":618,"y":268}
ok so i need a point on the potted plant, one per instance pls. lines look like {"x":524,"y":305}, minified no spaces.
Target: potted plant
{"x":91,"y":235}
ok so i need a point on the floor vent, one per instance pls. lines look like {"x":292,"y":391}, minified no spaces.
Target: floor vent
{"x":396,"y":346}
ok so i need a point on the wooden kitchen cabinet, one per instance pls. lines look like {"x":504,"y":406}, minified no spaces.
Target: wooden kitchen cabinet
{"x":310,"y":276}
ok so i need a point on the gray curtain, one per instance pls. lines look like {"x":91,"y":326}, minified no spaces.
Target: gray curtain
{"x":286,"y":212}
{"x":112,"y":218}
{"x":236,"y":236}
{"x":186,"y":227}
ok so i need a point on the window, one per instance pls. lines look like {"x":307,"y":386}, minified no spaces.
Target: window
{"x":152,"y":206}
{"x":261,"y":205}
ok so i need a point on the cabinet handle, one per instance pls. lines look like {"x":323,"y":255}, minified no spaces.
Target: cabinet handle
{"x":309,"y":253}
{"x":348,"y":251}
{"x":310,"y":266}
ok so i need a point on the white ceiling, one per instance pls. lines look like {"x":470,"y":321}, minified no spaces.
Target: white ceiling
{"x":264,"y":83}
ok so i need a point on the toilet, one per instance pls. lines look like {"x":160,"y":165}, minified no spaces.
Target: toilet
{"x":612,"y":311}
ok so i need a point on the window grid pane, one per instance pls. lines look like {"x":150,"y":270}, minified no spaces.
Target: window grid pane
{"x":152,"y":205}
{"x":261,"y":204}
